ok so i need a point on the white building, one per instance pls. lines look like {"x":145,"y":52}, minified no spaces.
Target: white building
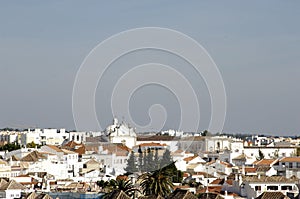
{"x":44,"y":136}
{"x":31,"y":135}
{"x":66,"y":165}
{"x":78,"y":137}
{"x":270,"y":152}
{"x":121,"y":133}
{"x":289,"y":166}
{"x":11,"y":189}
{"x":253,"y":186}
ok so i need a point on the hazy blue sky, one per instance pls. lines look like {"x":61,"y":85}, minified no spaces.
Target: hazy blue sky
{"x":256,"y":46}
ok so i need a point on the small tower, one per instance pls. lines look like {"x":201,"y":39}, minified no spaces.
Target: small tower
{"x":115,"y":121}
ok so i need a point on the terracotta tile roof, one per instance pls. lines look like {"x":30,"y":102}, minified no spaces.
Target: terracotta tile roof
{"x":263,"y":169}
{"x":15,"y":158}
{"x":12,"y":185}
{"x":178,"y":151}
{"x":151,"y":197}
{"x":66,"y":152}
{"x":2,"y":182}
{"x":150,"y":144}
{"x":157,"y":138}
{"x":31,"y":195}
{"x":72,"y":144}
{"x":118,"y":149}
{"x":204,"y":195}
{"x":290,"y":159}
{"x":266,"y":162}
{"x":182,"y":194}
{"x":250,"y":169}
{"x":43,"y":196}
{"x":272,"y":195}
{"x":273,"y":179}
{"x":188,"y":159}
{"x":81,"y":150}
{"x":97,"y":139}
{"x":218,"y":182}
{"x":241,"y":157}
{"x":33,"y":157}
{"x":24,"y":175}
{"x":181,"y":187}
{"x":118,"y":194}
{"x":91,"y":161}
{"x":121,"y":153}
{"x":92,"y":147}
{"x":211,"y":189}
{"x":226,"y":164}
{"x":211,"y":162}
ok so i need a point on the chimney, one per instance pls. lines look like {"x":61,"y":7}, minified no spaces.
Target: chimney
{"x":243,"y":170}
{"x":240,"y":180}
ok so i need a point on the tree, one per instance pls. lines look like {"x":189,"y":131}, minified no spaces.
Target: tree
{"x":156,"y":183}
{"x":166,"y":159}
{"x":298,"y":151}
{"x":276,"y":153}
{"x":31,"y":145}
{"x":124,"y":185}
{"x":156,"y":159}
{"x":104,"y":185}
{"x":260,"y":155}
{"x":149,"y":164}
{"x":10,"y":147}
{"x":140,"y":160}
{"x":131,"y":164}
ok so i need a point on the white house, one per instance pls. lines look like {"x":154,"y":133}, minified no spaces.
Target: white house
{"x":253,"y":186}
{"x":11,"y":189}
{"x":289,"y":166}
{"x":270,"y":152}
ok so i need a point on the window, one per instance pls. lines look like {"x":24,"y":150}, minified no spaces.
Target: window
{"x":257,"y":188}
{"x":290,"y":165}
{"x":286,"y":188}
{"x":298,"y":164}
{"x":273,"y":188}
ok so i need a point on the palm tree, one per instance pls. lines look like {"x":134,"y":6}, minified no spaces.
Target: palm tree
{"x":124,"y":185}
{"x":156,"y":183}
{"x":104,"y":185}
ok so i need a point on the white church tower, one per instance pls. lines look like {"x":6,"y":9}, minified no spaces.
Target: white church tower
{"x":121,"y":133}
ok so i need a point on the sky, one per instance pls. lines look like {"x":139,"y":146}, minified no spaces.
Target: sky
{"x":255,"y":45}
